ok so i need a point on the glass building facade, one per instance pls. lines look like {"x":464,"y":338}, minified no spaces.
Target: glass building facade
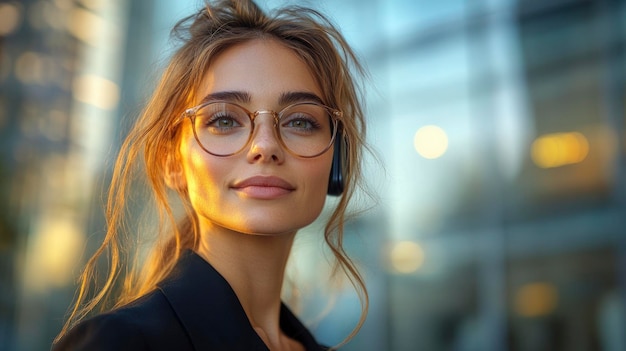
{"x":499,"y":222}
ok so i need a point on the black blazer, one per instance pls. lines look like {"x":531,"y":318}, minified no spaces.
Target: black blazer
{"x":194,"y":308}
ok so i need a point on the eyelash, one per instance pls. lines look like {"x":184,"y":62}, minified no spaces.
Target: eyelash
{"x":314,"y":124}
{"x":221,"y":116}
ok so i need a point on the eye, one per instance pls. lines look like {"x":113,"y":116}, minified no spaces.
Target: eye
{"x":301,"y":123}
{"x":222,"y":121}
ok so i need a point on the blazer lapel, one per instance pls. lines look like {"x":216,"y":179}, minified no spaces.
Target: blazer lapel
{"x":291,"y":326}
{"x":208,"y":308}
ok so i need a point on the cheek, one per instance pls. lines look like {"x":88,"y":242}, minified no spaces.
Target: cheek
{"x":317,"y":191}
{"x":321,"y":181}
{"x":201,"y":174}
{"x":318,"y":179}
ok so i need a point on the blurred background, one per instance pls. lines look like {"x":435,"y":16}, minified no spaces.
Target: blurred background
{"x":500,"y":128}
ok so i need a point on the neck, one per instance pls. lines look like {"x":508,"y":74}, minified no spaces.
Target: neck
{"x":254,"y":266}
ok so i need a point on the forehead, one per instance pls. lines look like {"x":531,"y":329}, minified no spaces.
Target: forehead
{"x":263,"y":68}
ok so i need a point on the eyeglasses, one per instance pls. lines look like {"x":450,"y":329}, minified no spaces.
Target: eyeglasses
{"x":305,"y":129}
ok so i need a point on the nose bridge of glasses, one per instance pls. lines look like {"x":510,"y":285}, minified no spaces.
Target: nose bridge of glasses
{"x":274,"y":115}
{"x":257,"y":126}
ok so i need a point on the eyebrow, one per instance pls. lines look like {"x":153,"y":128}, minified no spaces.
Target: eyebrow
{"x":234,"y":96}
{"x":243,"y":97}
{"x":298,"y":96}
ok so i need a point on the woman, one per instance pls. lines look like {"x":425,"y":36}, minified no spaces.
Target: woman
{"x":255,"y":120}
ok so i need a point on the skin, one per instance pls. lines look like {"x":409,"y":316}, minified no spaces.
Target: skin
{"x":247,"y":232}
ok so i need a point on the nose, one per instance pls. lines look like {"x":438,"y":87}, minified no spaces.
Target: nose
{"x":264,"y":143}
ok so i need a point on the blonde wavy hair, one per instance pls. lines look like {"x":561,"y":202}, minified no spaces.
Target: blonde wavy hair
{"x":152,"y":144}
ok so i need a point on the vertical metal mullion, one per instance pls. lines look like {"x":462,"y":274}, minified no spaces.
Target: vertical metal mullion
{"x":492,"y":242}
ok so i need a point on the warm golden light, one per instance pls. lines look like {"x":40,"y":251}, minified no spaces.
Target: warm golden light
{"x":430,"y":142}
{"x":536,"y":300}
{"x":86,"y":26}
{"x":96,"y":91}
{"x":559,"y":149}
{"x":10,"y":18}
{"x":55,"y":251}
{"x":406,"y":257}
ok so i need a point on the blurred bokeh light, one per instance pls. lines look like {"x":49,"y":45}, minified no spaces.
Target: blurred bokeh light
{"x":431,"y":142}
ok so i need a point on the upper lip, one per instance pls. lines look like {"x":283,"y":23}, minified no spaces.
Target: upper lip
{"x":265,"y":181}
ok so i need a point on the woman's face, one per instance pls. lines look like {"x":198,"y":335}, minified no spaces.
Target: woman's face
{"x":263,"y":189}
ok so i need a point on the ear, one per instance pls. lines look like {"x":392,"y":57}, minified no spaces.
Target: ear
{"x":174,"y":176}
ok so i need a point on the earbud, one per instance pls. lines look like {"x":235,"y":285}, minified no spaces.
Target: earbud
{"x":335,"y":181}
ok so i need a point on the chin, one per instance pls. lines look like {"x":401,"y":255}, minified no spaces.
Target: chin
{"x":275,"y":228}
{"x":274,"y":223}
{"x":270,"y":230}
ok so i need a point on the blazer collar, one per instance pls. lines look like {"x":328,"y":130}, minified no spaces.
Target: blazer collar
{"x":213,"y":317}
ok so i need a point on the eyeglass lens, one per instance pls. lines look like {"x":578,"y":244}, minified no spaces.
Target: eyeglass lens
{"x":306,"y":129}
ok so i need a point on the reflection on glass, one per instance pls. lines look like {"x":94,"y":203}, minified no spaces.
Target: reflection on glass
{"x":430,"y":142}
{"x":406,"y":257}
{"x":10,"y":18}
{"x":96,"y":91}
{"x":536,"y":299}
{"x":559,"y":149}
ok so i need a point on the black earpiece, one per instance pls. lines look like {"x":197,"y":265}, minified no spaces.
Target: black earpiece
{"x":335,"y":181}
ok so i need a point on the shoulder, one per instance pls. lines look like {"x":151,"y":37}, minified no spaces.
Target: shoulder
{"x":146,"y":324}
{"x":110,"y":331}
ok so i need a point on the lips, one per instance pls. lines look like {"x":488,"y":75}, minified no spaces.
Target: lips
{"x":263,"y":187}
{"x":264,"y":182}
